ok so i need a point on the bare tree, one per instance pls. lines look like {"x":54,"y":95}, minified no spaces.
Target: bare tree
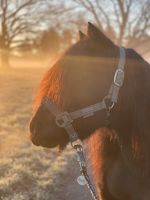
{"x":49,"y":43}
{"x":17,"y":23}
{"x":21,"y":21}
{"x":126,"y":21}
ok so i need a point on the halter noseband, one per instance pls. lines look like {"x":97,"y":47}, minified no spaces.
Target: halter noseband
{"x":65,"y":119}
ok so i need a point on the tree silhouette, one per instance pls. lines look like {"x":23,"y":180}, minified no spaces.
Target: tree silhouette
{"x":22,"y":21}
{"x":126,"y":21}
{"x":50,"y":42}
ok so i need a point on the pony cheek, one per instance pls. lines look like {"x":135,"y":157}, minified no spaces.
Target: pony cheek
{"x":87,"y":126}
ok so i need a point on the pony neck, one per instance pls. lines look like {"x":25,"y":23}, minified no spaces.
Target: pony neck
{"x":131,"y":116}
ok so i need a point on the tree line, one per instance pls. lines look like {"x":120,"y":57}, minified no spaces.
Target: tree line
{"x":50,"y":26}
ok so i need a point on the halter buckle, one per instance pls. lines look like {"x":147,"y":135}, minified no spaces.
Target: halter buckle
{"x":119,"y":77}
{"x":63,"y":119}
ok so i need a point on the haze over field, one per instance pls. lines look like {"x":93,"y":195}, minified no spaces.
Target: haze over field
{"x":28,"y":172}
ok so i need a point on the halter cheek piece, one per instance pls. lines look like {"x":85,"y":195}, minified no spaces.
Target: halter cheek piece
{"x":65,"y":119}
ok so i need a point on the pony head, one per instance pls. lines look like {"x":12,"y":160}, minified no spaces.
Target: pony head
{"x":80,"y":78}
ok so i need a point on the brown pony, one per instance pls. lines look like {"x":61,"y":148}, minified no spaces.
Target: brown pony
{"x":120,"y":154}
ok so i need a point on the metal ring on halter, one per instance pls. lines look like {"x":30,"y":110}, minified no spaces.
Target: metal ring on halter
{"x":109,"y":107}
{"x":77,"y":142}
{"x":63,"y":119}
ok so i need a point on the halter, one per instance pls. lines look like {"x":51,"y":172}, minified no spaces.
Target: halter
{"x":65,"y":119}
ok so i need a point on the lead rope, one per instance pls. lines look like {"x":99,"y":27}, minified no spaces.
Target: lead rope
{"x":84,"y":178}
{"x":64,"y":120}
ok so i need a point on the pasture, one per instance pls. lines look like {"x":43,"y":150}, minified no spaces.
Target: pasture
{"x":28,"y":172}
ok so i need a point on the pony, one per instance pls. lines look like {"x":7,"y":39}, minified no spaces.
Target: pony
{"x":120,"y":152}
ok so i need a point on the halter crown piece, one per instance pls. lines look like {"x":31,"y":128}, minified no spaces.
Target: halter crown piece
{"x":65,"y":119}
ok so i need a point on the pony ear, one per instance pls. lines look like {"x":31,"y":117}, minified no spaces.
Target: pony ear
{"x":94,"y":32}
{"x":82,"y":36}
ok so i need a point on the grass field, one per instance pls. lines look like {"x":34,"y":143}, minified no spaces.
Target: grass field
{"x":28,"y":172}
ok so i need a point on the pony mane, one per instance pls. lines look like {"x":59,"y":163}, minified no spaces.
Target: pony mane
{"x":49,"y":85}
{"x":133,"y":125}
{"x":97,"y":146}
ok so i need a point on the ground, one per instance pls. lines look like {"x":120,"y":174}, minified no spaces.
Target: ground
{"x":28,"y":172}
